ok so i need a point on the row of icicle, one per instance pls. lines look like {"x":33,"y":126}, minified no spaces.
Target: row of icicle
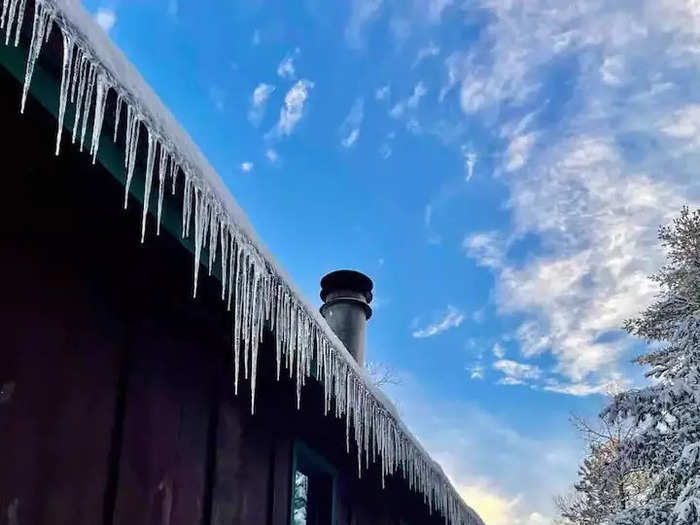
{"x":250,"y":288}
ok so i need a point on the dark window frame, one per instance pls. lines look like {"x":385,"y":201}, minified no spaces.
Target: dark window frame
{"x":316,"y":467}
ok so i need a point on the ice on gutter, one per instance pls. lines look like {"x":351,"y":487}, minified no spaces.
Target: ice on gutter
{"x":254,"y":287}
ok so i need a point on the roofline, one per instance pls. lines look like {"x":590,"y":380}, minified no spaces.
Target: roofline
{"x":301,"y":332}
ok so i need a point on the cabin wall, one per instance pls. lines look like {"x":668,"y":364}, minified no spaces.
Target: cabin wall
{"x":116,"y":401}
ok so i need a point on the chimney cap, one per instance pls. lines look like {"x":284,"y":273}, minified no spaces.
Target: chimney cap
{"x":348,"y":280}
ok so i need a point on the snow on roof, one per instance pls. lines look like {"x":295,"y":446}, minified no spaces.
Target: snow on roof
{"x":92,"y":69}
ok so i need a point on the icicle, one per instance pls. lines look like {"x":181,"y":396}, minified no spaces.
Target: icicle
{"x":117,"y":114}
{"x":200,"y":213}
{"x":162,"y":170}
{"x":255,"y":308}
{"x":174,"y":167}
{"x":82,"y":80}
{"x":5,"y":4}
{"x":150,"y":159}
{"x":132,"y":142}
{"x":77,"y":68}
{"x":87,"y":105}
{"x":213,"y":235}
{"x":10,"y":20}
{"x":233,"y":250}
{"x":186,"y":205}
{"x":20,"y":20}
{"x":65,"y":81}
{"x":224,"y":249}
{"x":41,"y":19}
{"x":100,"y":103}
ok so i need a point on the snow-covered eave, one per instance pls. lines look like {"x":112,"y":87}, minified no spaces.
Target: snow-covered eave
{"x":93,"y":70}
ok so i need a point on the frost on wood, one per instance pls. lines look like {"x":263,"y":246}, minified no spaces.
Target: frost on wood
{"x":252,"y":287}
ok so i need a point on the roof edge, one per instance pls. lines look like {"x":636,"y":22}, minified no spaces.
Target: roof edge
{"x":93,"y":68}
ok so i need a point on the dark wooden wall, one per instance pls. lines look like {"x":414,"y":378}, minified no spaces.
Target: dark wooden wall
{"x":117,"y":402}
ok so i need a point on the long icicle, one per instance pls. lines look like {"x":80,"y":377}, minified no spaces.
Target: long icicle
{"x":150,"y":159}
{"x":87,"y":105}
{"x":12,"y":13}
{"x":132,"y":141}
{"x":20,"y":20}
{"x":81,"y":81}
{"x":162,"y":171}
{"x":5,"y":5}
{"x":100,"y":104}
{"x":65,"y":81}
{"x":41,"y":19}
{"x":117,"y":114}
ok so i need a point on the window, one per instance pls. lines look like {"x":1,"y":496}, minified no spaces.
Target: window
{"x":312,"y":488}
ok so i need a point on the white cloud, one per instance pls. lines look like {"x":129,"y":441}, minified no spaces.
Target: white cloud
{"x":488,"y":248}
{"x":599,"y":227}
{"x":247,"y":167}
{"x":684,"y":123}
{"x":435,"y":8}
{"x":612,"y":71}
{"x":430,"y":50}
{"x":470,"y":159}
{"x":476,"y":371}
{"x":385,"y":151}
{"x":272,"y":156}
{"x":419,"y":91}
{"x":349,"y":141}
{"x":498,"y":351}
{"x":515,"y":373}
{"x":258,"y":102}
{"x":105,"y":18}
{"x":363,"y":12}
{"x":452,"y":318}
{"x":286,"y":68}
{"x":350,"y":128}
{"x":518,"y":151}
{"x":383,"y":92}
{"x":293,"y":107}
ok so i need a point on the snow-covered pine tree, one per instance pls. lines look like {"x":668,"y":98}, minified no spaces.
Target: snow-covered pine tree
{"x":666,"y":414}
{"x":606,"y":485}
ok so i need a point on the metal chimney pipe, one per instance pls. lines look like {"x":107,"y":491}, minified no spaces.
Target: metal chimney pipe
{"x":346,"y":295}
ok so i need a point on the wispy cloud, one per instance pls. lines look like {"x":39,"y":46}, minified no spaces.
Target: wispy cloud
{"x":419,"y":91}
{"x":498,"y":351}
{"x":105,"y":18}
{"x":258,"y":102}
{"x":435,"y":8}
{"x":286,"y":68}
{"x":515,"y":373}
{"x":470,"y":158}
{"x":350,"y":128}
{"x":476,"y":371}
{"x":272,"y":156}
{"x":293,"y":108}
{"x":452,"y":318}
{"x":218,"y":97}
{"x":247,"y":167}
{"x":383,"y":92}
{"x":430,"y":50}
{"x":362,"y":13}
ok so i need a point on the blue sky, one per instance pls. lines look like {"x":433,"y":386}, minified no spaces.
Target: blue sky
{"x":498,"y":167}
